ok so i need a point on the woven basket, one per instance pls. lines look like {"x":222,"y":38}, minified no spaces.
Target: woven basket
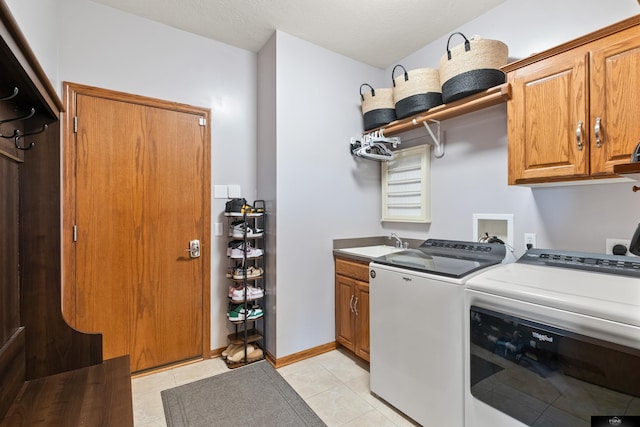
{"x":471,"y":67}
{"x":377,"y":107}
{"x":415,"y":91}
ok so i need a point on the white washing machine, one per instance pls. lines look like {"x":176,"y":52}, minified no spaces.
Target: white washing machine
{"x":417,"y":324}
{"x":554,"y":340}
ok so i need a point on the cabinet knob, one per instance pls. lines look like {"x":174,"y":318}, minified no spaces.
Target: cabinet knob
{"x":579,"y":136}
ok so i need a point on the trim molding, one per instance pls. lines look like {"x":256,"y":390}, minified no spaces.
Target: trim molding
{"x":302,"y":355}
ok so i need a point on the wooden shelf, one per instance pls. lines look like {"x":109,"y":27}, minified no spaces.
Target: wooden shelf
{"x":494,"y":96}
{"x":253,"y":335}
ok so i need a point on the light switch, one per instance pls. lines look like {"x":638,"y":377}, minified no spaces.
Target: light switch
{"x":217,"y":227}
{"x":220,"y":191}
{"x":234,"y":191}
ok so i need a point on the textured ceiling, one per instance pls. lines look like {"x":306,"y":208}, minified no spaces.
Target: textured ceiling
{"x":376,"y":32}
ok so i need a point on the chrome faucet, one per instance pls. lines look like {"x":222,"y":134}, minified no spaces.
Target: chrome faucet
{"x":398,"y":240}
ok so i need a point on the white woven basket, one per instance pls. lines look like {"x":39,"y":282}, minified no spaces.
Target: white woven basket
{"x":415,"y":91}
{"x":377,"y":106}
{"x":478,"y":62}
{"x":414,"y":82}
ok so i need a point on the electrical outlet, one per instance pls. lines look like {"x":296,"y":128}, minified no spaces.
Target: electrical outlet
{"x":610,"y":243}
{"x":529,"y":239}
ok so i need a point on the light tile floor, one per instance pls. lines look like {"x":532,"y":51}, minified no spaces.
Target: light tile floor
{"x":334,"y":384}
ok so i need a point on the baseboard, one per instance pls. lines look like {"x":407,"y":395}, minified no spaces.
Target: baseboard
{"x":292,"y":358}
{"x":302,"y":355}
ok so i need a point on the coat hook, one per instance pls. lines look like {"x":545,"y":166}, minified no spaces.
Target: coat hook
{"x":31,"y":113}
{"x":13,"y":95}
{"x":635,"y":187}
{"x":17,"y":135}
{"x":16,"y":140}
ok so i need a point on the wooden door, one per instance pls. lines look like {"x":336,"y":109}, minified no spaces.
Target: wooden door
{"x":548,"y":106}
{"x":615,"y":91}
{"x":139,"y":182}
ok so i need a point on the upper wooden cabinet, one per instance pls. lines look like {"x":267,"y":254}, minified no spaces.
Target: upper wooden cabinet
{"x":574,"y":110}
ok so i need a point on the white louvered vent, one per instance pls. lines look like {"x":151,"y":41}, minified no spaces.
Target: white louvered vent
{"x":405,"y":186}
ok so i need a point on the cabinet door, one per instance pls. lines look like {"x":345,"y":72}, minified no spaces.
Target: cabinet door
{"x":615,"y":91}
{"x":362,"y":321}
{"x":345,"y":320}
{"x":548,"y":108}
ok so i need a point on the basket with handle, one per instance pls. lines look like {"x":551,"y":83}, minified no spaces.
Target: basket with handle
{"x":471,"y":67}
{"x":415,"y":91}
{"x":377,"y":107}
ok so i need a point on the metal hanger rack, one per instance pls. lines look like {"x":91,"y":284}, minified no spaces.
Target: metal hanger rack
{"x":373,"y":146}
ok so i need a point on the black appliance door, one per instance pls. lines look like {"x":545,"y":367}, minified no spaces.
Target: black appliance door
{"x":542,"y":375}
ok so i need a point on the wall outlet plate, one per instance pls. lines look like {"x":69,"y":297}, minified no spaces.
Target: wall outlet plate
{"x":530,"y":239}
{"x":611,"y":242}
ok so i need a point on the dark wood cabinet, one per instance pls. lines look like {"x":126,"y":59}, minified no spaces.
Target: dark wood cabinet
{"x":37,"y":347}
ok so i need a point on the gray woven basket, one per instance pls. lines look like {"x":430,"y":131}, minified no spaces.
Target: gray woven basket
{"x":471,"y":67}
{"x":415,"y":91}
{"x":378,"y":108}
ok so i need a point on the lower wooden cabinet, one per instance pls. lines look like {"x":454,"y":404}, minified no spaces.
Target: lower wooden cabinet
{"x":352,"y":306}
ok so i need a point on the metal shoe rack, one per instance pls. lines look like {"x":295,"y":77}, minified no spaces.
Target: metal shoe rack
{"x":248,"y":332}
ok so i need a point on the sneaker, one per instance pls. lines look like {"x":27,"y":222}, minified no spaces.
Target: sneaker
{"x":243,"y":249}
{"x":238,"y":313}
{"x":237,"y":294}
{"x":237,"y":230}
{"x":238,"y":354}
{"x":235,"y":273}
{"x":232,"y":245}
{"x":253,"y":272}
{"x":249,"y":273}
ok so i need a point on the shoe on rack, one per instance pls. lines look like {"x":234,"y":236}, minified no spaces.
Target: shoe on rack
{"x":230,"y":350}
{"x":255,"y":355}
{"x":235,"y":205}
{"x":238,"y":354}
{"x":249,"y":273}
{"x":238,"y":229}
{"x":253,"y":272}
{"x":242,"y":249}
{"x":237,"y":294}
{"x":236,"y":273}
{"x":255,"y":312}
{"x":233,"y":244}
{"x":237,"y":313}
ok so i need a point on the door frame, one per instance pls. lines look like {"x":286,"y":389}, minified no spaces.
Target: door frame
{"x":69,"y":167}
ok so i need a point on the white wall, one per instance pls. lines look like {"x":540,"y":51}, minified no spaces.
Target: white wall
{"x":323,"y":193}
{"x":267,"y":182}
{"x":472,"y":176}
{"x":106,"y":48}
{"x":95,"y":45}
{"x":40,"y":30}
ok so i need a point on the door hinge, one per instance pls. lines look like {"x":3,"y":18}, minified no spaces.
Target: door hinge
{"x":75,"y":233}
{"x":202,"y":121}
{"x":75,"y":124}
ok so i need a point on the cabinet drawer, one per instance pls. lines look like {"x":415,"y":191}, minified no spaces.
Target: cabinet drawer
{"x":356,"y":270}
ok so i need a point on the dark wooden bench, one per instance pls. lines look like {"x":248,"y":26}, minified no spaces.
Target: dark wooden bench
{"x":98,"y":395}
